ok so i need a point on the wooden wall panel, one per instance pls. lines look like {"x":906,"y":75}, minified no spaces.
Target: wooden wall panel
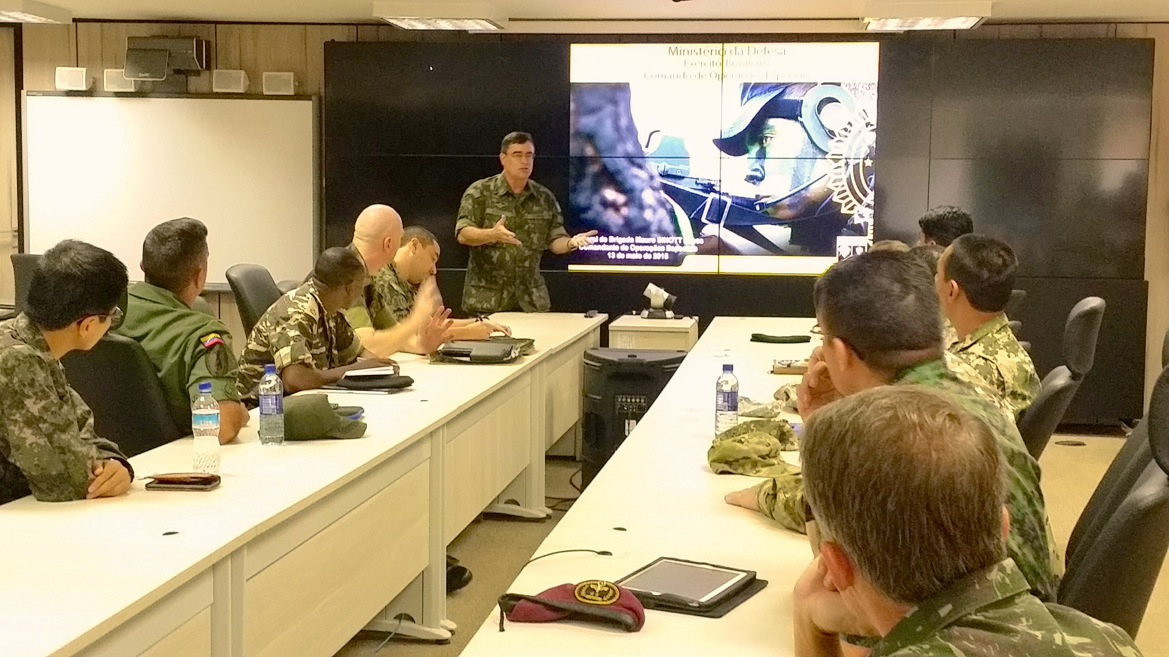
{"x":1157,"y":228}
{"x":45,"y":48}
{"x":8,"y":194}
{"x":259,"y":48}
{"x":315,"y":38}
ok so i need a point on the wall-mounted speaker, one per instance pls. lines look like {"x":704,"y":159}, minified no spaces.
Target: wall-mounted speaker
{"x":70,"y":78}
{"x":115,"y":80}
{"x":279,"y":84}
{"x":225,"y":81}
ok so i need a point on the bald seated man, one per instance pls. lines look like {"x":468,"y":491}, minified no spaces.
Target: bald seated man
{"x":377,"y":234}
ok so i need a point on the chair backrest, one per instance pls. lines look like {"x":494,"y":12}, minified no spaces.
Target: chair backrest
{"x":118,"y":382}
{"x":1114,"y":576}
{"x":1015,"y":326}
{"x":1080,"y":333}
{"x":1118,"y":480}
{"x":1165,"y":351}
{"x":1116,"y":551}
{"x":23,"y":265}
{"x":1015,"y":302}
{"x":1038,"y":422}
{"x":287,"y":286}
{"x":254,"y":290}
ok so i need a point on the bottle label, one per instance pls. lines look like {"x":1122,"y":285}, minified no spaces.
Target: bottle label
{"x":726,"y":401}
{"x":205,"y":420}
{"x":271,"y":404}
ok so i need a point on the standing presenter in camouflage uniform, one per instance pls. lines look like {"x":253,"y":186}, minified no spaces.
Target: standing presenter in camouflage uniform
{"x":509,"y":220}
{"x":47,"y":443}
{"x":974,"y":280}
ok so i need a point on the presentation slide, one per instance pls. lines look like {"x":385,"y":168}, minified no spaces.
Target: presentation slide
{"x":751,"y":158}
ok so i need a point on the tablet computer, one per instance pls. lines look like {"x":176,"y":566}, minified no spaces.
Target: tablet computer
{"x":690,"y":583}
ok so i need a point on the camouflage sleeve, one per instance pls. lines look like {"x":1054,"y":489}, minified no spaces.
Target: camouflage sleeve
{"x":348,"y":344}
{"x":288,"y":340}
{"x":556,"y":227}
{"x":213,"y":362}
{"x":471,"y":210}
{"x":782,"y":500}
{"x":46,"y":442}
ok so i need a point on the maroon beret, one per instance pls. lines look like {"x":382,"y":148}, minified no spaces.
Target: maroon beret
{"x":592,"y":600}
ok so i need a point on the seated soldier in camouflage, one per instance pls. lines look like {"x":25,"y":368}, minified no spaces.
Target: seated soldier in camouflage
{"x":508,"y":221}
{"x":881,"y":326}
{"x":305,"y":333}
{"x":918,"y":563}
{"x":47,"y":443}
{"x":974,"y":279}
{"x":398,"y":287}
{"x":424,"y":325}
{"x":186,"y":346}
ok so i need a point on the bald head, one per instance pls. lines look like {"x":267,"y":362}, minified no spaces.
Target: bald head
{"x":377,"y":234}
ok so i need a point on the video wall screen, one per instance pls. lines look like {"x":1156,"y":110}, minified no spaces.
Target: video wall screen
{"x":748,"y":158}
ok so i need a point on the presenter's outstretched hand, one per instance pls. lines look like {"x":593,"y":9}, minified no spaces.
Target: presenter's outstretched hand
{"x":502,"y":235}
{"x":581,"y":239}
{"x":110,"y":479}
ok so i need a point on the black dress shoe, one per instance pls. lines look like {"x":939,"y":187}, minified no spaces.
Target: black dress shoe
{"x":456,"y":578}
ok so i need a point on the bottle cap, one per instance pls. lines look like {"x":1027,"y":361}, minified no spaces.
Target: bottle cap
{"x":727,"y":367}
{"x":204,"y":388}
{"x":270,"y":368}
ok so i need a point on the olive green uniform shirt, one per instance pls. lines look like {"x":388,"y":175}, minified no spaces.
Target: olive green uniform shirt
{"x":992,"y":357}
{"x":186,"y":346}
{"x":1030,"y":542}
{"x":296,"y":329}
{"x":386,"y":301}
{"x":503,"y":277}
{"x":990,"y":614}
{"x":47,"y":442}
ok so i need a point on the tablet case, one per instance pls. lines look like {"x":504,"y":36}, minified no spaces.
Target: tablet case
{"x":384,"y":382}
{"x":526,"y":345}
{"x":713,"y":609}
{"x":475,"y":351}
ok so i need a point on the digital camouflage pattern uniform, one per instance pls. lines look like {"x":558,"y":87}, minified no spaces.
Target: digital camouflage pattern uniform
{"x":186,"y":346}
{"x":1030,"y":542}
{"x":504,"y":277}
{"x":386,"y":301}
{"x":296,"y":330}
{"x":992,"y":356}
{"x":991,"y":614}
{"x":47,"y":443}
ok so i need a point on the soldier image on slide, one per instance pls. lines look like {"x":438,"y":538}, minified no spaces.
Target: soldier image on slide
{"x":509,"y":220}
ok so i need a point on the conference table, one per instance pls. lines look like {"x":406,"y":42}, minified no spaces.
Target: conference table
{"x":657,"y":497}
{"x":305,"y":544}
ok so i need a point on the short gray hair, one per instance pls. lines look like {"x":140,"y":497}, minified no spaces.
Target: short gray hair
{"x":909,"y":485}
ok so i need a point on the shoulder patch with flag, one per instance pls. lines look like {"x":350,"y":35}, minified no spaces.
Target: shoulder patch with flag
{"x":211,"y":340}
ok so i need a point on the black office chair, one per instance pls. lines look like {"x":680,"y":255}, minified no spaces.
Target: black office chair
{"x":1015,"y":303}
{"x":23,"y":265}
{"x":1015,"y":326}
{"x":1119,"y":544}
{"x":1165,"y":351}
{"x":118,"y":382}
{"x":287,"y":286}
{"x":254,"y":290}
{"x":1039,"y":421}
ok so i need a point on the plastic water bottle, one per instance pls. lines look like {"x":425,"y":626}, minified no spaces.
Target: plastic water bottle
{"x":726,"y":400}
{"x":205,"y":429}
{"x":271,"y":407}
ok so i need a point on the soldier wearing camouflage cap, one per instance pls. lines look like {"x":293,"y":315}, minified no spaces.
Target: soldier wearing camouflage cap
{"x":47,"y":443}
{"x":509,"y":220}
{"x":882,"y":326}
{"x":186,"y":347}
{"x":305,"y":333}
{"x":918,"y":563}
{"x":974,"y":279}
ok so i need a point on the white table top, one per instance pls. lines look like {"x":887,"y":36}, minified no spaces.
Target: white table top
{"x":72,"y":571}
{"x":659,"y":488}
{"x":639,"y":323}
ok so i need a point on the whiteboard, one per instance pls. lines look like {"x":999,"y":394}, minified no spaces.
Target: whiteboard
{"x":106,"y":170}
